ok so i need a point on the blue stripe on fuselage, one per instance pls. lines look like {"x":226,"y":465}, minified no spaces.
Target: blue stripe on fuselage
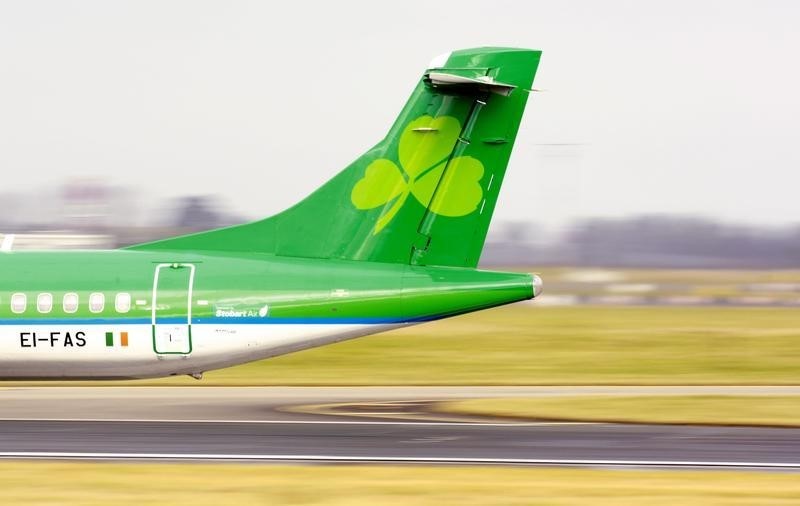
{"x":214,"y":321}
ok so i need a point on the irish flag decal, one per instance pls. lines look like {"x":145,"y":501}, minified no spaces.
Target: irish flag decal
{"x":110,"y":339}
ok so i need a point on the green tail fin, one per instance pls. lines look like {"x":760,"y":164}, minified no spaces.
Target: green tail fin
{"x":426,"y":193}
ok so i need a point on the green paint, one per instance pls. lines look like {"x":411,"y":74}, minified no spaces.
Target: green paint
{"x":291,"y":287}
{"x":109,"y":339}
{"x":442,"y":150}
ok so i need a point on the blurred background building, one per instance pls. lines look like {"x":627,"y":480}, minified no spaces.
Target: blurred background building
{"x":649,"y":241}
{"x":91,"y":213}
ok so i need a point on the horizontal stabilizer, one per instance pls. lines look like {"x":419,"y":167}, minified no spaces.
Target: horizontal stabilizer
{"x":444,"y":80}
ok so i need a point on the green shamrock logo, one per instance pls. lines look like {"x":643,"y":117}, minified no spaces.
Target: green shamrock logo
{"x":425,"y":145}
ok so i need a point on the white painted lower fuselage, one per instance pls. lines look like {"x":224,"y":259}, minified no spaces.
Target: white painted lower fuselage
{"x":99,"y":351}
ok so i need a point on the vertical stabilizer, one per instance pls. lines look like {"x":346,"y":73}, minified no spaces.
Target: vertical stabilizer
{"x":426,"y":193}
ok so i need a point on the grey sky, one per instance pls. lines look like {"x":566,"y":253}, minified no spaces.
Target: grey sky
{"x":672,"y":107}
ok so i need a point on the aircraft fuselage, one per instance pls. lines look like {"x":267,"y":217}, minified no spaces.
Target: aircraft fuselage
{"x":131,"y":314}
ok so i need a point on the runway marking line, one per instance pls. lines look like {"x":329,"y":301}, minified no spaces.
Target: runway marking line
{"x":396,"y":460}
{"x":354,"y":409}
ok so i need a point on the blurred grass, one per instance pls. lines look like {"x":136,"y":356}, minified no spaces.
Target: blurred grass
{"x":525,"y":344}
{"x":48,"y":483}
{"x":677,"y":409}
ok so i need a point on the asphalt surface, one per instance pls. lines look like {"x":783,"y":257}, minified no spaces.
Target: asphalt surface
{"x":254,"y":425}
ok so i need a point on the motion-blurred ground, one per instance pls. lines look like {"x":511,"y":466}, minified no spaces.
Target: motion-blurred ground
{"x":206,"y":484}
{"x":528,"y":345}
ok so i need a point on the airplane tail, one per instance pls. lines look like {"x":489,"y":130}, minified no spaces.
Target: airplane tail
{"x":426,"y":193}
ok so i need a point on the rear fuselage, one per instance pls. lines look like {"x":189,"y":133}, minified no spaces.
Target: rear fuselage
{"x":132,"y":314}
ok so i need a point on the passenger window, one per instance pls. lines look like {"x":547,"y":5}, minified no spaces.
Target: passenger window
{"x":70,"y":302}
{"x":97,"y":302}
{"x":18,"y":303}
{"x":44,"y":302}
{"x":123,"y":302}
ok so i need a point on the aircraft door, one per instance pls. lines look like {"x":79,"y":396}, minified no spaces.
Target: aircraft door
{"x":172,"y":308}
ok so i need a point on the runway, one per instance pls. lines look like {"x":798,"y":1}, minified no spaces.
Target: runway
{"x":252,"y":425}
